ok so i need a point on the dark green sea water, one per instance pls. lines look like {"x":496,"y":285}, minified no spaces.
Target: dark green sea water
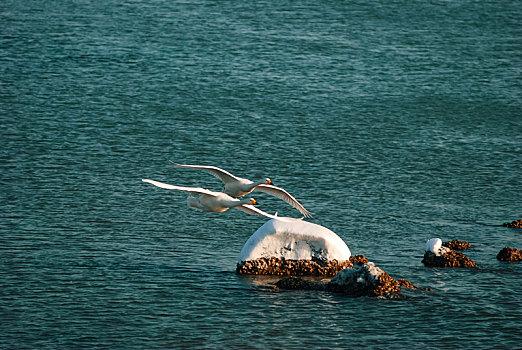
{"x":392,"y":121}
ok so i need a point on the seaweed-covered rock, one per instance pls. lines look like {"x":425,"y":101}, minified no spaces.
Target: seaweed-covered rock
{"x":290,"y":267}
{"x":406,"y":284}
{"x":513,"y":224}
{"x":365,"y":280}
{"x":455,"y":244}
{"x":450,"y":258}
{"x":510,"y":254}
{"x":437,"y":255}
{"x":358,"y":259}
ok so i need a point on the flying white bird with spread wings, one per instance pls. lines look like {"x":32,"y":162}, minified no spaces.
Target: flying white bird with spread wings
{"x":238,"y":187}
{"x":218,"y":202}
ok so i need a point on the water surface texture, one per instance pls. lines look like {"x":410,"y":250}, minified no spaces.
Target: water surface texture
{"x":392,"y":121}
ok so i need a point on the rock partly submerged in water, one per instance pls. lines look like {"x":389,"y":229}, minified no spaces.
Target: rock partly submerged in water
{"x":510,"y":254}
{"x":291,"y":247}
{"x":437,"y":255}
{"x":366,"y":280}
{"x":449,"y":259}
{"x":290,"y":267}
{"x":359,"y":259}
{"x":363,"y":280}
{"x":456,"y":244}
{"x":513,"y":224}
{"x":404,"y":283}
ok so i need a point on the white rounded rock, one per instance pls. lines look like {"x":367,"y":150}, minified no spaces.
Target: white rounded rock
{"x":294,"y":239}
{"x":434,"y":245}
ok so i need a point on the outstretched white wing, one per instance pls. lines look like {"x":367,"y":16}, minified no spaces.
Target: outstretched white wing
{"x":250,"y":209}
{"x":193,"y":190}
{"x":285,"y":196}
{"x":221,"y":174}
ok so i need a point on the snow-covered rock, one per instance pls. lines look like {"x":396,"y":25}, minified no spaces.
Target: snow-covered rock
{"x":434,"y":246}
{"x":371,"y":273}
{"x":291,"y":247}
{"x":294,"y":239}
{"x":367,"y":279}
{"x":363,"y":280}
{"x":437,"y":255}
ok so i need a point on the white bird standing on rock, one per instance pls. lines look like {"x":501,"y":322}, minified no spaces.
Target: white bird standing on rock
{"x":238,"y":187}
{"x":218,"y":202}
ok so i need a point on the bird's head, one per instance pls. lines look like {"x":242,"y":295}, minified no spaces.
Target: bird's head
{"x":268,"y":181}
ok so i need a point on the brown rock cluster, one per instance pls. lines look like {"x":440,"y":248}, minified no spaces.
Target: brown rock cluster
{"x":513,"y":224}
{"x":386,"y":286}
{"x":406,"y":284}
{"x":359,"y":259}
{"x":365,"y":280}
{"x":450,"y":258}
{"x":457,"y":245}
{"x":510,"y":254}
{"x":287,"y":267}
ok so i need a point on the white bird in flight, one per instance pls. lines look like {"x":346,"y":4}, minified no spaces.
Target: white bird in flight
{"x":218,"y":202}
{"x":238,"y":187}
